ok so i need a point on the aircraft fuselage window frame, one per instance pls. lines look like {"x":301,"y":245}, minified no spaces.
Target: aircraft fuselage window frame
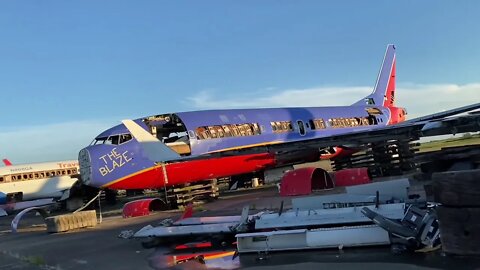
{"x":281,"y":126}
{"x":301,"y":128}
{"x":38,"y":175}
{"x":227,"y":130}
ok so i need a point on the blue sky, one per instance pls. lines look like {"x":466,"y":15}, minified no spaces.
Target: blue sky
{"x":70,"y":69}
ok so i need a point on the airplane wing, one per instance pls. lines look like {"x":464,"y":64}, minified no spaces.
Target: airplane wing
{"x":459,"y":120}
{"x":449,"y":122}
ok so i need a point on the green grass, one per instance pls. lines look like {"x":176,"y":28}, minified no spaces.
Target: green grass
{"x":451,"y":142}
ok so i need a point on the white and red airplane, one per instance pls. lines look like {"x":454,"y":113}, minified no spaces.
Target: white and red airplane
{"x":35,"y":184}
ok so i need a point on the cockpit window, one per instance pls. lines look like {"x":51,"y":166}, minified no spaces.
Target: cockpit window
{"x":113,"y":140}
{"x":99,"y":141}
{"x":125,"y":138}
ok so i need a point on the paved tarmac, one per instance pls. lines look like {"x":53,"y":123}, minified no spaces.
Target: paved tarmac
{"x":101,"y":248}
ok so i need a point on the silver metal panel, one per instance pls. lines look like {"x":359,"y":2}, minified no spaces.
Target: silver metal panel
{"x":274,"y":240}
{"x":323,"y":201}
{"x":184,"y":230}
{"x":207,"y":220}
{"x":396,"y":189}
{"x":312,"y":239}
{"x":392,"y":188}
{"x":319,"y":217}
{"x":348,"y":237}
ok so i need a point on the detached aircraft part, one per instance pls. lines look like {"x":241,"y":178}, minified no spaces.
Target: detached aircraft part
{"x":17,"y":218}
{"x":417,"y":229}
{"x":304,"y":180}
{"x":352,"y":177}
{"x":143,"y":207}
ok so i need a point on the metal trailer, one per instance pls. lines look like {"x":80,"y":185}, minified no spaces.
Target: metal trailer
{"x":335,"y":237}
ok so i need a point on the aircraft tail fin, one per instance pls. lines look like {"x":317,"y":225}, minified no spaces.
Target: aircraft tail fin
{"x":384,"y":91}
{"x":153,"y":148}
{"x":7,"y":162}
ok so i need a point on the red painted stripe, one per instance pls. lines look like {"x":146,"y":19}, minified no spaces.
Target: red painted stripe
{"x":197,"y":170}
{"x":390,"y":94}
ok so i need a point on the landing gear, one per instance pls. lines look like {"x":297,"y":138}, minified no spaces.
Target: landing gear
{"x":250,"y":180}
{"x":181,"y":196}
{"x":382,"y":159}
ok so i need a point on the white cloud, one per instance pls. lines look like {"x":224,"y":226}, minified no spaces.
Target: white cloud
{"x":419,"y":99}
{"x":61,"y":141}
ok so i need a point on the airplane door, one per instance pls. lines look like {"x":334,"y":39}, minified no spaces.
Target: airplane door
{"x":301,"y":127}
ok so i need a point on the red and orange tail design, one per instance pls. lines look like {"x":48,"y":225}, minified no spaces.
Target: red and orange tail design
{"x":7,"y":162}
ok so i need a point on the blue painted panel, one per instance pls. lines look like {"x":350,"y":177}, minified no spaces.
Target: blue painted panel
{"x":3,"y":198}
{"x":120,"y":129}
{"x":263,"y":117}
{"x":111,"y":162}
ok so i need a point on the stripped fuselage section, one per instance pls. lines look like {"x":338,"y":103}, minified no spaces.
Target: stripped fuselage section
{"x":117,"y":161}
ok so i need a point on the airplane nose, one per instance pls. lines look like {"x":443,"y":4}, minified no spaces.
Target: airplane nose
{"x":84,"y":161}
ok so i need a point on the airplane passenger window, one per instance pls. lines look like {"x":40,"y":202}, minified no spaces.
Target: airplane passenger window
{"x":213,"y":133}
{"x":248,"y":130}
{"x":227,"y":131}
{"x":301,"y":127}
{"x":235,"y":130}
{"x":220,"y":131}
{"x":256,"y":129}
{"x":274,"y":127}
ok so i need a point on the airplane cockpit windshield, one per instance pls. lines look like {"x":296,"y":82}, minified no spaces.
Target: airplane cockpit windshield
{"x":113,"y":139}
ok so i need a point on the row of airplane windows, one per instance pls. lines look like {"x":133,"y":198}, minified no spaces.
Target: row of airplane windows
{"x":351,"y":122}
{"x":232,"y":130}
{"x":250,"y":129}
{"x":37,"y":175}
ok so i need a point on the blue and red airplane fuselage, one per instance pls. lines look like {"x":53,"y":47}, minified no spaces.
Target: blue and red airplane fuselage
{"x":118,"y":161}
{"x":123,"y":165}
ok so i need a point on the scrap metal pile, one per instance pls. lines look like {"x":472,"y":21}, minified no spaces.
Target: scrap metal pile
{"x":366,"y":215}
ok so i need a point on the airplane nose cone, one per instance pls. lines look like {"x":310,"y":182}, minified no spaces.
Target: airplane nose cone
{"x":85,"y":166}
